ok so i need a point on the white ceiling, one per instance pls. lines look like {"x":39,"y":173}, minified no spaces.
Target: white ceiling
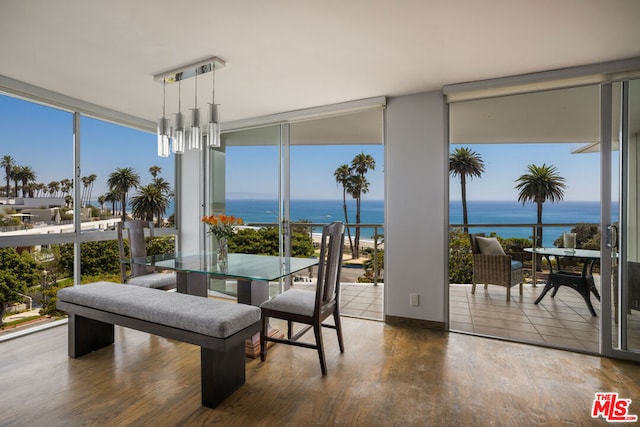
{"x":285,"y":55}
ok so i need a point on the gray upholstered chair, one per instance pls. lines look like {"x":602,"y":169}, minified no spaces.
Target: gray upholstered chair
{"x":141,"y":275}
{"x":311,"y":308}
{"x":491,"y":266}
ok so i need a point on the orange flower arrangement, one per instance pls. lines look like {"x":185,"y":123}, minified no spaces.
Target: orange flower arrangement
{"x":222,"y":226}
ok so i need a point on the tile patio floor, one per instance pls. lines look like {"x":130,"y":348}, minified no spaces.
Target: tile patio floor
{"x":357,"y":299}
{"x":563,"y":321}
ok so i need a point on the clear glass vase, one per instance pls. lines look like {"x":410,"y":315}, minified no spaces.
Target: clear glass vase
{"x":223,"y":252}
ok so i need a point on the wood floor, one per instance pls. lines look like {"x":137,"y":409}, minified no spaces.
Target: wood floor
{"x":388,"y":376}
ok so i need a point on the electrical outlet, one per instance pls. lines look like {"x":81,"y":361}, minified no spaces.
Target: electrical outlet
{"x":414,"y":299}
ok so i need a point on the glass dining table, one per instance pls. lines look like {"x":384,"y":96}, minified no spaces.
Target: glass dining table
{"x":252,"y":273}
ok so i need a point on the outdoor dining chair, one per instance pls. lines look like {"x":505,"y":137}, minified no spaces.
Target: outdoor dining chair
{"x":311,"y":308}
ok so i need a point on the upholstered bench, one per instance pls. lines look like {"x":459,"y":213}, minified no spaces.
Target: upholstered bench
{"x":219,"y":328}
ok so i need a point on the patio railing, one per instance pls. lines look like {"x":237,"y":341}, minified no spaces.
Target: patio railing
{"x":377,"y":238}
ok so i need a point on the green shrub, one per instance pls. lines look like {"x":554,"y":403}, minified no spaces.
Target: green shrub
{"x":460,"y":258}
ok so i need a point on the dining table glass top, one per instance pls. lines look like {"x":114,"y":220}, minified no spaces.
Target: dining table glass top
{"x":239,"y":266}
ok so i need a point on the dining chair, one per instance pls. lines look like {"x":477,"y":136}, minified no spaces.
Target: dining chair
{"x":141,"y":275}
{"x":491,"y":266}
{"x":311,"y":308}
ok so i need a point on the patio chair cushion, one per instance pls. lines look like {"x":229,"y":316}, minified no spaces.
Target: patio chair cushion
{"x":515,"y":265}
{"x":489,"y":246}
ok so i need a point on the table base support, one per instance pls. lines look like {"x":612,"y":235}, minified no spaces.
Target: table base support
{"x":252,"y":345}
{"x":583,"y":285}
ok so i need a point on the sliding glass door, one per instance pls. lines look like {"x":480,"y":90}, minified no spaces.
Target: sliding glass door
{"x":621,"y":248}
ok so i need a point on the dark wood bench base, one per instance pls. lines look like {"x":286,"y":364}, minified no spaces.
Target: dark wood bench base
{"x":222,"y":361}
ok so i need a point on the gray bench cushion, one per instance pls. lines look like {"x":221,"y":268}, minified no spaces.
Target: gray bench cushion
{"x":192,"y":313}
{"x":154,"y":280}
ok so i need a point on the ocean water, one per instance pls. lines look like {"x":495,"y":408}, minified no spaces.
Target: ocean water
{"x":512,"y":212}
{"x":480,"y":212}
{"x":317,"y":211}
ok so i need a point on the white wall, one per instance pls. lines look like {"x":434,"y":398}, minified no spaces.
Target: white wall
{"x":416,"y":171}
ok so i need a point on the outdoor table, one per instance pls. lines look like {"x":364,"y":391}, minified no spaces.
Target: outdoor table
{"x":582,"y":283}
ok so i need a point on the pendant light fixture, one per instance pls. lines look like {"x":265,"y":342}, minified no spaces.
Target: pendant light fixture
{"x":179,"y":136}
{"x":179,"y":133}
{"x":163,"y":127}
{"x":195,"y":136}
{"x":214,"y":125}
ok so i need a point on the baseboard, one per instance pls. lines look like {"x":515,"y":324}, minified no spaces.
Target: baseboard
{"x":416,"y":323}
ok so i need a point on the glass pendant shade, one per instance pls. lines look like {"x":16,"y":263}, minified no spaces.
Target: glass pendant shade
{"x":195,"y":136}
{"x":214,"y":126}
{"x":163,"y":137}
{"x":179,"y":135}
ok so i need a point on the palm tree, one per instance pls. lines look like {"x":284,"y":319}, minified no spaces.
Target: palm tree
{"x":360,"y":165}
{"x":358,"y":186}
{"x":540,"y":184}
{"x":8,"y":163}
{"x":122,"y":180}
{"x":27,"y":175}
{"x":149,"y":201}
{"x":464,"y":162}
{"x":112,"y":197}
{"x":342,"y":175}
{"x":66,"y":185}
{"x":155,"y":170}
{"x":162,"y":185}
{"x":40,"y":189}
{"x":92,"y":179}
{"x":16,"y":176}
{"x":101,"y":199}
{"x":54,"y":187}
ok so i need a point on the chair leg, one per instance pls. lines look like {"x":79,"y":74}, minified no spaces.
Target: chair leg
{"x":289,"y":329}
{"x":508,"y":293}
{"x":520,"y":288}
{"x":336,"y":319}
{"x":317,"y":330}
{"x":263,"y":342}
{"x":473,"y":289}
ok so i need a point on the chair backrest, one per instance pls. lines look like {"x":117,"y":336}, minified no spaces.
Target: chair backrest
{"x":330,"y":266}
{"x":474,"y":243}
{"x":137,"y":249}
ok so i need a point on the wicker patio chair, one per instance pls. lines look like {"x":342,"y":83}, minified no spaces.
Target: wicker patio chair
{"x":491,"y":266}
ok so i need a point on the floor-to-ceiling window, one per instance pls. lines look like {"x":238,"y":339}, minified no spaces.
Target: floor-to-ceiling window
{"x":59,"y":209}
{"x":288,"y":174}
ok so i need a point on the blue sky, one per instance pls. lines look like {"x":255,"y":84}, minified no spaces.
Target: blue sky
{"x":255,"y":170}
{"x":504,"y":163}
{"x":41,"y":137}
